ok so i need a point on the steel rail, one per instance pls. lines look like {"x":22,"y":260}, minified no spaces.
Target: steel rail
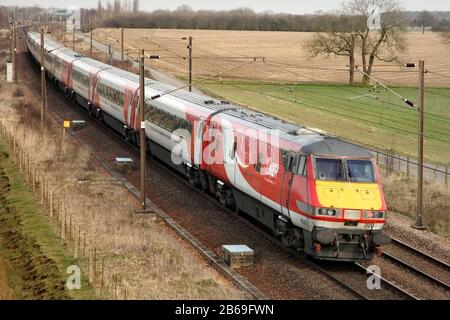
{"x":416,"y":270}
{"x":444,"y":265}
{"x":387,"y":282}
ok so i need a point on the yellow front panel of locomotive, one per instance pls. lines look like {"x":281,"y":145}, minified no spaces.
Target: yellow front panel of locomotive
{"x":349,"y":195}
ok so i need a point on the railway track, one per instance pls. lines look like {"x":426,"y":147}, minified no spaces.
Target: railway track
{"x":341,"y":277}
{"x":437,"y":262}
{"x":354,"y":277}
{"x":419,"y":264}
{"x":395,"y":289}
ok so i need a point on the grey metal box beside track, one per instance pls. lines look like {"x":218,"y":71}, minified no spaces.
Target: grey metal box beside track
{"x":237,"y":256}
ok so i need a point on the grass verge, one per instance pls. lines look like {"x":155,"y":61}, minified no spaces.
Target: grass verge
{"x":34,"y":257}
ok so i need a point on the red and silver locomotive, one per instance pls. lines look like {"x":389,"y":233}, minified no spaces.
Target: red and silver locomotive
{"x":318,"y":194}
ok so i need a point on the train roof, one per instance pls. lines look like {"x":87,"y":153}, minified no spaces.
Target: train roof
{"x":49,"y":44}
{"x":127,"y":75}
{"x":313,"y":141}
{"x":71,"y":54}
{"x":96,"y":64}
{"x":331,"y":147}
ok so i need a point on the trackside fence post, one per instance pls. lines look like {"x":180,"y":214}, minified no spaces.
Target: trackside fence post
{"x":408,"y":173}
{"x":446,"y":176}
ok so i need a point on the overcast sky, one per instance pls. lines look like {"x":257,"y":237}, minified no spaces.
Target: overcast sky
{"x":290,"y":6}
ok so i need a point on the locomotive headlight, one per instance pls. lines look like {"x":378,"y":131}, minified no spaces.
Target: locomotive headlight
{"x":331,"y":212}
{"x":374,"y":214}
{"x":326,"y":212}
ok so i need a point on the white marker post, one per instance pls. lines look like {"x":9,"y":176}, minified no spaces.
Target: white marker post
{"x":9,"y":72}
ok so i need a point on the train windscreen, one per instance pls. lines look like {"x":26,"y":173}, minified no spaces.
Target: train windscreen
{"x":355,"y":170}
{"x":329,"y":169}
{"x":360,"y":171}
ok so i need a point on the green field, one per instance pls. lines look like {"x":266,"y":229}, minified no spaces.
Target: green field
{"x":369,"y":116}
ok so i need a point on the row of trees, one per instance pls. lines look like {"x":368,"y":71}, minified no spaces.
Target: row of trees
{"x":117,"y":12}
{"x":238,"y":19}
{"x":116,"y":8}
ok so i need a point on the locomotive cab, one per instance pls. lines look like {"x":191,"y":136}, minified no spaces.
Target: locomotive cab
{"x":344,"y":205}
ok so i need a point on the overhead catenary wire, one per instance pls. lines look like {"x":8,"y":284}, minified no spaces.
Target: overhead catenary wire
{"x":407,"y":101}
{"x":428,"y":114}
{"x":439,"y":74}
{"x":428,"y":90}
{"x":343,"y":88}
{"x":201,"y":80}
{"x":279,"y":63}
{"x":344,"y":114}
{"x":355,"y":92}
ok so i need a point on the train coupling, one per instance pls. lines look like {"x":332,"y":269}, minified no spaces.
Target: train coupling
{"x":347,"y":245}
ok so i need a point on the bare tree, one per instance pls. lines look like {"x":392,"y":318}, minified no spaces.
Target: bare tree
{"x":385,"y":44}
{"x":135,"y":6}
{"x":99,"y":10}
{"x":354,"y":35}
{"x":425,"y":19}
{"x":117,"y":8}
{"x":336,"y":43}
{"x":341,"y":39}
{"x":184,"y":8}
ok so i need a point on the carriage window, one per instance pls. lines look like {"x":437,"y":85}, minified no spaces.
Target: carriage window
{"x":48,"y":58}
{"x":109,"y":93}
{"x":293,"y":163}
{"x":329,"y":169}
{"x":302,"y":166}
{"x":360,"y":171}
{"x":285,"y":158}
{"x":259,"y":162}
{"x":165,"y":119}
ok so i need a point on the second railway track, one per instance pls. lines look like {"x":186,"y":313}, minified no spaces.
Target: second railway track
{"x":428,"y":276}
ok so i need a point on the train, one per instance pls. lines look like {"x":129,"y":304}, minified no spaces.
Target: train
{"x":316,"y":193}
